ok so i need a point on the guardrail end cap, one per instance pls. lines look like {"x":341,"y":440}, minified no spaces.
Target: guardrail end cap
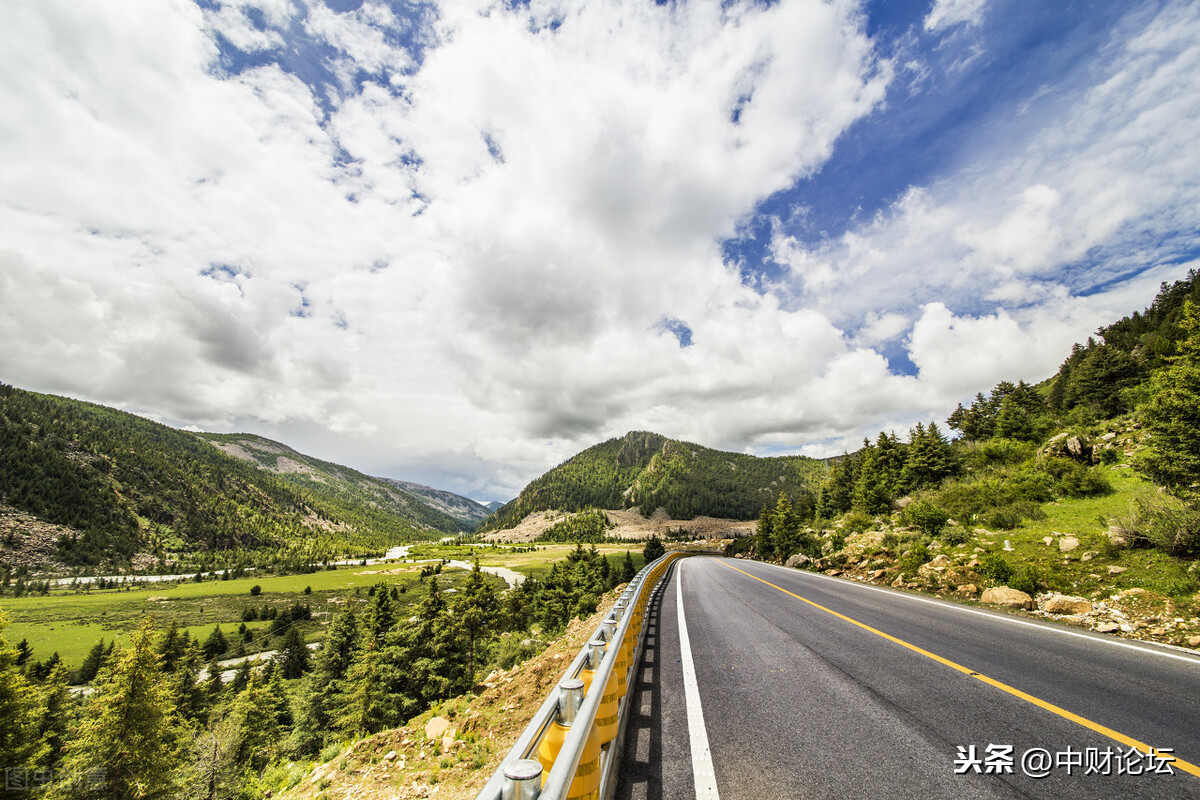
{"x":523,"y":769}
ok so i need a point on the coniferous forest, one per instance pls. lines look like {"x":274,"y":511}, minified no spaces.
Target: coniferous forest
{"x":162,"y":723}
{"x":1020,"y":446}
{"x":124,"y":484}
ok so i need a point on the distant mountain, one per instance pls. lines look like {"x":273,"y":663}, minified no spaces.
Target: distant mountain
{"x":649,"y":471}
{"x":493,"y":506}
{"x":123,"y":485}
{"x":422,"y":506}
{"x":468,"y":513}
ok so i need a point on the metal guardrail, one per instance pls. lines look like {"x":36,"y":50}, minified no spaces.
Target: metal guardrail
{"x":522,"y":775}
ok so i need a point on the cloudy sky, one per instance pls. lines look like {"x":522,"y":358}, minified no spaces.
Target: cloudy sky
{"x":456,"y":242}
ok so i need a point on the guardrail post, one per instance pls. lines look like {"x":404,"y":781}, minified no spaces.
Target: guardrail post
{"x":608,"y":713}
{"x":522,"y":780}
{"x":587,"y":774}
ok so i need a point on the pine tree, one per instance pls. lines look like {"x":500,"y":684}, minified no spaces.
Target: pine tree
{"x":764,"y":535}
{"x":365,"y":707}
{"x":653,"y":550}
{"x":628,"y":570}
{"x":130,"y":735}
{"x":17,"y":731}
{"x":54,"y":717}
{"x":476,"y":608}
{"x":785,"y":528}
{"x":293,"y":655}
{"x":215,"y":644}
{"x":92,"y":662}
{"x":1172,"y":416}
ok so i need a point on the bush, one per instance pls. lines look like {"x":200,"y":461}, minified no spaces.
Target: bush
{"x":956,"y":535}
{"x":916,"y":555}
{"x":857,"y":522}
{"x":1002,"y":452}
{"x":1013,"y":515}
{"x":1165,"y":522}
{"x":889,"y":540}
{"x":1027,"y":580}
{"x":996,"y":567}
{"x":255,"y":590}
{"x":1073,"y":479}
{"x":926,"y":516}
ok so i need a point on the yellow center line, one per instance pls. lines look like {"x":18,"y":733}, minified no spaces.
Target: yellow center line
{"x":1062,"y":712}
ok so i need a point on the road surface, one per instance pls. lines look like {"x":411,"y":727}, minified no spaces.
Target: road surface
{"x":806,"y":686}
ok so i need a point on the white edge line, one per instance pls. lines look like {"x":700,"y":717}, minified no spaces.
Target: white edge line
{"x":702,"y":768}
{"x":1049,"y":626}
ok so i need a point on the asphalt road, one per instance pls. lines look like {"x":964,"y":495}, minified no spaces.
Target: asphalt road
{"x":816,"y":687}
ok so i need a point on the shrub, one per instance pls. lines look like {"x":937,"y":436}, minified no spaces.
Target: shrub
{"x":890,"y":540}
{"x":1165,"y":522}
{"x":956,"y":535}
{"x":255,"y":590}
{"x":1003,"y":452}
{"x":996,"y":567}
{"x":857,"y":522}
{"x":1075,"y":480}
{"x":1027,"y":580}
{"x":926,"y":516}
{"x":1004,"y":518}
{"x":916,"y":555}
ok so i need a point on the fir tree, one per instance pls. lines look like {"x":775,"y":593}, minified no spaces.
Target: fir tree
{"x":476,"y":608}
{"x":92,"y":662}
{"x":653,"y":550}
{"x":764,"y":535}
{"x":130,"y":735}
{"x":215,"y":644}
{"x":17,"y":731}
{"x":54,"y":716}
{"x":785,"y":528}
{"x":293,"y":655}
{"x":628,"y":570}
{"x":1172,"y":416}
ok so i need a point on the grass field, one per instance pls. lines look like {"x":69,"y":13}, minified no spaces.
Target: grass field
{"x":1084,"y":571}
{"x":70,"y":622}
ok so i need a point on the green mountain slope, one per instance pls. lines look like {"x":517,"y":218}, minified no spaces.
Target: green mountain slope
{"x":649,"y":471}
{"x":464,"y":510}
{"x":422,"y":506}
{"x":126,"y":485}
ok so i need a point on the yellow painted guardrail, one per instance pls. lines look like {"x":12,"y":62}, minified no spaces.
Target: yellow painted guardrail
{"x":571,"y":748}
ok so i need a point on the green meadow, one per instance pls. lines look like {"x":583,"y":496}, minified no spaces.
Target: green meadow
{"x":71,"y":621}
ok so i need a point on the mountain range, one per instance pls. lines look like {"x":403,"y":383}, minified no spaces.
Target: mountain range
{"x":648,"y":471}
{"x":110,"y":486}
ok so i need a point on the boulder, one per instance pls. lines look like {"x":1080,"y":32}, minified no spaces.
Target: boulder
{"x":1005,"y":596}
{"x":1114,"y":570}
{"x":1117,"y":536}
{"x":969,"y":588}
{"x":1193,"y":641}
{"x":798,"y":560}
{"x":436,"y":727}
{"x":1077,"y":448}
{"x":1067,"y":544}
{"x":1062,"y":604}
{"x":1107,"y":627}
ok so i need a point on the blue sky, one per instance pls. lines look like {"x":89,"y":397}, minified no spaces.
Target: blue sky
{"x":458,"y":242}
